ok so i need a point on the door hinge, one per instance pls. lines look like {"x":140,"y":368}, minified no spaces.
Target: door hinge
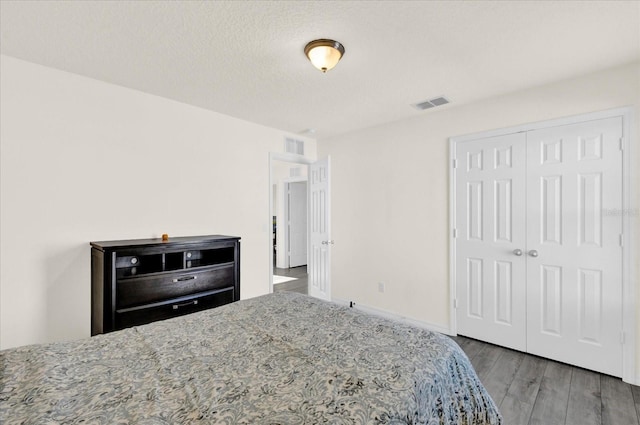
{"x":455,"y":233}
{"x":622,"y":239}
{"x":622,"y":337}
{"x":622,"y":143}
{"x":455,"y":303}
{"x":455,"y":163}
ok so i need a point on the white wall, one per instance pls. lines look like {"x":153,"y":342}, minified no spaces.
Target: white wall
{"x":390,"y":193}
{"x":84,"y":160}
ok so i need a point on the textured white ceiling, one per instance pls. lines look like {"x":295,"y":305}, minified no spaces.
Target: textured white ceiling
{"x":245,"y":58}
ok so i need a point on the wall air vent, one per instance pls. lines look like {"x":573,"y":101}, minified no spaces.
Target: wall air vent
{"x":424,"y":105}
{"x":436,"y":101}
{"x":293,"y":146}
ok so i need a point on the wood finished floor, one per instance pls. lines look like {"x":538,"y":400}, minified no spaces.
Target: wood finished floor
{"x":299,"y":285}
{"x":530,"y":390}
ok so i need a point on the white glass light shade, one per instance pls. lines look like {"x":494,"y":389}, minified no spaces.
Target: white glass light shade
{"x":324,"y":54}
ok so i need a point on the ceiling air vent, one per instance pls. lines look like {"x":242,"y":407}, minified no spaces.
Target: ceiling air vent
{"x":436,"y":101}
{"x":293,"y":146}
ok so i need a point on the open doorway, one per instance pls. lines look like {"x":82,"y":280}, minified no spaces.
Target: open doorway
{"x":319,"y":241}
{"x":289,"y":234}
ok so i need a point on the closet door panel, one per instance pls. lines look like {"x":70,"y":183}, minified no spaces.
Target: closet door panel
{"x":574,"y":256}
{"x":490,"y":278}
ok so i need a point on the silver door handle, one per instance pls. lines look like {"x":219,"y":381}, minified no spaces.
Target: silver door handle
{"x":533,"y":253}
{"x":327,"y":242}
{"x":517,"y":252}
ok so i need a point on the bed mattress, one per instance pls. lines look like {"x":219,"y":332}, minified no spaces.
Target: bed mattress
{"x":282,"y":358}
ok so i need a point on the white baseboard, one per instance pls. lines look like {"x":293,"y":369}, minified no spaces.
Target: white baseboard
{"x":394,"y":316}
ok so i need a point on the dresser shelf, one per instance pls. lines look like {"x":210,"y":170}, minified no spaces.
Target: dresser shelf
{"x":134,"y":282}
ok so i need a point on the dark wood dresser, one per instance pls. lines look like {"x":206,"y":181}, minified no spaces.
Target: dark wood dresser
{"x":134,"y":282}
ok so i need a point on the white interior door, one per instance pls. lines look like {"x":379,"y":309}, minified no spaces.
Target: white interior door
{"x":297,"y":217}
{"x":490,"y":240}
{"x":574,"y":252}
{"x":320,"y":229}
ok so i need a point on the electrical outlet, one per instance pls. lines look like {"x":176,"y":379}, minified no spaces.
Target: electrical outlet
{"x":380,"y":287}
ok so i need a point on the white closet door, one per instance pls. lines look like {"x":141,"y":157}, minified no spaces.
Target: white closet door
{"x":297,"y":224}
{"x":490,"y":227}
{"x":574,"y":255}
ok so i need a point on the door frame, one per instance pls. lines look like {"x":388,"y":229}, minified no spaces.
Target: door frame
{"x":294,"y":159}
{"x":629,"y":179}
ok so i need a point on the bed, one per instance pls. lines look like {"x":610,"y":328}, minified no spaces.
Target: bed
{"x":282,"y":358}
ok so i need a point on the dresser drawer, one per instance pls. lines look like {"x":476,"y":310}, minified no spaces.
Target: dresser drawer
{"x":139,"y":316}
{"x":138,"y":291}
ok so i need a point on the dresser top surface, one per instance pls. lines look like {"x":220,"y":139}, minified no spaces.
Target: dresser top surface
{"x":176,"y":240}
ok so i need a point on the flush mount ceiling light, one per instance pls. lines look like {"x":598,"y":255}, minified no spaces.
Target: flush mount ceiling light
{"x":324,"y":54}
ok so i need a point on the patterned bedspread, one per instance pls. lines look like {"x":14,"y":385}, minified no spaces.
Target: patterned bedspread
{"x":282,"y":358}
